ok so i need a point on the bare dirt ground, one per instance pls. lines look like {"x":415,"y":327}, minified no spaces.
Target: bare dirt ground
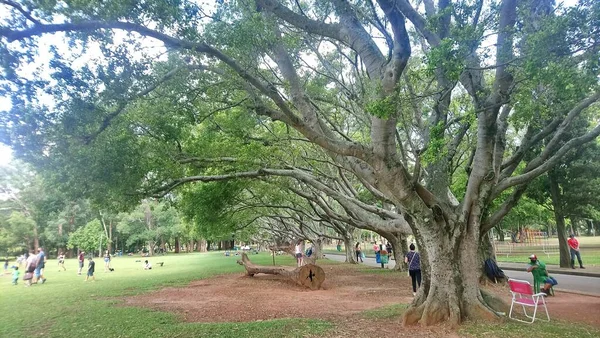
{"x":346,"y":293}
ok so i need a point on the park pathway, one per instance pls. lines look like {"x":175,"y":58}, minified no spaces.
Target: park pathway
{"x":568,"y":283}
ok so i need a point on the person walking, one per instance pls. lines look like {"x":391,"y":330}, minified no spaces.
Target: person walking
{"x":574,"y":250}
{"x":91,"y":268}
{"x":106,"y":261}
{"x":61,"y":262}
{"x":81,"y":260}
{"x":414,"y":267}
{"x":41,"y":262}
{"x":30,"y":266}
{"x":15,"y":276}
{"x":358,"y":252}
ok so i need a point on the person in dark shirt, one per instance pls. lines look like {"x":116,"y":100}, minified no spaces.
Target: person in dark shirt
{"x":413,"y":259}
{"x":90,"y":273}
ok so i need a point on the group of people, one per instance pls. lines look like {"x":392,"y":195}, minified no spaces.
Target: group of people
{"x":34,"y":268}
{"x":36,"y":263}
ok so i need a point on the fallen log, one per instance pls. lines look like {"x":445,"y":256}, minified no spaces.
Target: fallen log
{"x":309,"y":275}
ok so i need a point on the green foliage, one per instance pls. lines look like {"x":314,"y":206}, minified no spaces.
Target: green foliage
{"x":88,"y":237}
{"x":383,"y":108}
{"x":437,"y":144}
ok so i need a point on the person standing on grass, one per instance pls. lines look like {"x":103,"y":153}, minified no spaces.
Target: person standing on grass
{"x":61,"y":262}
{"x":81,"y":260}
{"x":15,"y":276}
{"x":574,"y":250}
{"x":39,"y":270}
{"x":30,"y":268}
{"x":358,"y":252}
{"x":91,"y":268}
{"x":414,"y":267}
{"x":106,"y":261}
{"x":298,"y":251}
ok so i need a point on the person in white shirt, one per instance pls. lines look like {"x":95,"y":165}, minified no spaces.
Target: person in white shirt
{"x":299,"y":258}
{"x":148,"y":266}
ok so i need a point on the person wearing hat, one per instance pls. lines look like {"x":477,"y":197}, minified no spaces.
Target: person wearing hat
{"x":574,"y":250}
{"x":540,"y":275}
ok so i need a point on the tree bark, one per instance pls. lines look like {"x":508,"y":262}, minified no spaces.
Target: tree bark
{"x":309,"y":275}
{"x":177,"y":245}
{"x":561,"y":231}
{"x":450,"y":289}
{"x":201,"y":245}
{"x":399,"y":247}
{"x":350,"y":250}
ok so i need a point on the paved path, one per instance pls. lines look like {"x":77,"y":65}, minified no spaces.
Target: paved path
{"x":578,"y":284}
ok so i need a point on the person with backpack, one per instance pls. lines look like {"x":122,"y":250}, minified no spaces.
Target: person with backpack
{"x":413,"y":259}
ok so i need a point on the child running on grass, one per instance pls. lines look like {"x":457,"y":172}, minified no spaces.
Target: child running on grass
{"x":15,"y":275}
{"x":91,"y":267}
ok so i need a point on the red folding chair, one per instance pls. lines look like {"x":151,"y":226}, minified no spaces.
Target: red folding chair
{"x":526,"y":297}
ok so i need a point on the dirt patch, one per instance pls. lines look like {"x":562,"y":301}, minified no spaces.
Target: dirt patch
{"x":238,"y":298}
{"x":346,"y":292}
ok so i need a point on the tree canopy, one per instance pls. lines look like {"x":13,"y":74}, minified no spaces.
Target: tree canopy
{"x":440,"y":115}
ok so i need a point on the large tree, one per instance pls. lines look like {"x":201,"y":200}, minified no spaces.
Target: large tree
{"x":336,"y":72}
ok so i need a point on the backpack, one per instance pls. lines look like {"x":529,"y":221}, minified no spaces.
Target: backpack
{"x":493,"y":271}
{"x":309,"y":252}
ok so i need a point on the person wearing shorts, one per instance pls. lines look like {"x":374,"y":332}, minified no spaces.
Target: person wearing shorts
{"x":39,"y":269}
{"x":61,"y":262}
{"x":299,"y":253}
{"x":91,"y":268}
{"x":106,"y":261}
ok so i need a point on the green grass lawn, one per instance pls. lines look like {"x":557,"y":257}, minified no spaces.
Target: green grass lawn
{"x":66,"y":306}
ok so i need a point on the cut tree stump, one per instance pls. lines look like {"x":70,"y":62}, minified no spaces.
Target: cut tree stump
{"x":309,"y":275}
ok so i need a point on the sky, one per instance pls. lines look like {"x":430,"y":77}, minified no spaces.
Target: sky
{"x":6,"y":153}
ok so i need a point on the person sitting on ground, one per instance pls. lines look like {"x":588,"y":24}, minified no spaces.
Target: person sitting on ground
{"x":147,"y":265}
{"x":540,"y":275}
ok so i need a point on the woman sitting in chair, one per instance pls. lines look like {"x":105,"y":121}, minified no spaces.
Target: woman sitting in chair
{"x":540,"y":275}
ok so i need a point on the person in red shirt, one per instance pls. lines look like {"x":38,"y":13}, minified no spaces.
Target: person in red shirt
{"x":574,"y":249}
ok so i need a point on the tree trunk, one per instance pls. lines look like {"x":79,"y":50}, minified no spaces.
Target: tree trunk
{"x":151,"y":248}
{"x":201,"y":245}
{"x":177,"y":245}
{"x":563,"y":247}
{"x":450,"y":288}
{"x":399,"y":247}
{"x":309,"y":275}
{"x":350,"y":251}
{"x":109,"y":244}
